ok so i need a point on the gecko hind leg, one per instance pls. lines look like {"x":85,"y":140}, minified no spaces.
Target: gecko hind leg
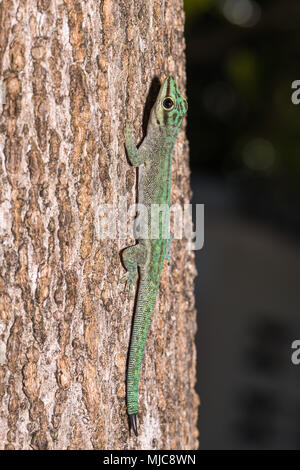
{"x":132,"y":257}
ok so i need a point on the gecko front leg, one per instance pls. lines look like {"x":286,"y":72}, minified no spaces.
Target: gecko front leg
{"x":136,"y":156}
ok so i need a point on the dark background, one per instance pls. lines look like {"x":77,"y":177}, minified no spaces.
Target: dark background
{"x":242,"y":57}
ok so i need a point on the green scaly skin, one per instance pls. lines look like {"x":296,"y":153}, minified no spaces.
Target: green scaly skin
{"x":148,"y":255}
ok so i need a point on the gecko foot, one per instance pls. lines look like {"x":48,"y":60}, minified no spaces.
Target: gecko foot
{"x":129,"y":282}
{"x":133,"y":423}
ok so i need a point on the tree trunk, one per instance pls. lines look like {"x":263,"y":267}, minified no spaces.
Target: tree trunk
{"x":73,"y":72}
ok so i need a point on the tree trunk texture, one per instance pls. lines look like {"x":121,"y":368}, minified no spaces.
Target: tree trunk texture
{"x":73,"y":72}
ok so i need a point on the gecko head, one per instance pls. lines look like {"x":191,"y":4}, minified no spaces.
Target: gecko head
{"x":170,"y":107}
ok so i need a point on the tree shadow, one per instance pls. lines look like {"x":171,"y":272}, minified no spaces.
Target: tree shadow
{"x":150,"y":100}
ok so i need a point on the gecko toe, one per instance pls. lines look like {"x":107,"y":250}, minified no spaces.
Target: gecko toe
{"x":129,"y":282}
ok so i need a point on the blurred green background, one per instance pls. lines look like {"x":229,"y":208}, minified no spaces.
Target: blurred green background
{"x":242,"y":57}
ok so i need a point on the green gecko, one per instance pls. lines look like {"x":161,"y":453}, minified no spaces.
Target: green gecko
{"x":146,"y":258}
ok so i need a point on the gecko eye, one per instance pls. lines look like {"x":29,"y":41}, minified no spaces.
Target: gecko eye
{"x":168,"y":103}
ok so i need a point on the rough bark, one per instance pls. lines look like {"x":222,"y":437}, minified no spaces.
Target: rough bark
{"x":73,"y":72}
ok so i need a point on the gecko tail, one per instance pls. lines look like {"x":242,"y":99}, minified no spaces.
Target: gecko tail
{"x":133,"y":423}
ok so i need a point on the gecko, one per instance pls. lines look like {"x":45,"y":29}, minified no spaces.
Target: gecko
{"x":144,"y":261}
